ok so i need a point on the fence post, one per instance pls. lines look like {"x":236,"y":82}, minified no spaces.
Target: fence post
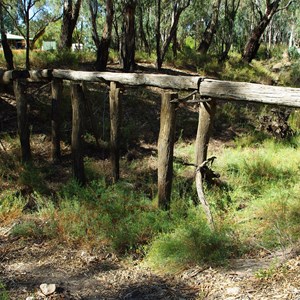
{"x":56,"y":90}
{"x":165,"y":149}
{"x":77,"y":99}
{"x":115,"y":111}
{"x":207,"y":112}
{"x":22,"y":119}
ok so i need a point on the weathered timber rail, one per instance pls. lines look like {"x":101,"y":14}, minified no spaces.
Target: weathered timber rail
{"x":207,"y":88}
{"x":203,"y":90}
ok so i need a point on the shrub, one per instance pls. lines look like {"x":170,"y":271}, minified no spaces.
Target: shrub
{"x":190,"y":242}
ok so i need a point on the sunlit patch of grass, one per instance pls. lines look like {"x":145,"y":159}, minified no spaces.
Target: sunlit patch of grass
{"x":190,"y":242}
{"x":263,"y":191}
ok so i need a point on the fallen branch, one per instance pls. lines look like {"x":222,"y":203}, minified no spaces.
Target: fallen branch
{"x":200,"y":174}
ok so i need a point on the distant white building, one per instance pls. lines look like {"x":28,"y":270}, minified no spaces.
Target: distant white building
{"x":77,"y":47}
{"x":49,"y":45}
{"x":15,"y":41}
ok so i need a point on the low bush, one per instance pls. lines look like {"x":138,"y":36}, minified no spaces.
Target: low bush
{"x":190,"y":242}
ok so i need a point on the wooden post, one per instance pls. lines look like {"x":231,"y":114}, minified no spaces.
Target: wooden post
{"x":77,"y":120}
{"x":114,"y":109}
{"x":56,"y":88}
{"x":207,"y":112}
{"x":165,"y":149}
{"x":22,"y":117}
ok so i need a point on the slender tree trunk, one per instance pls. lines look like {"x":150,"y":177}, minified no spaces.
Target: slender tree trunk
{"x":161,"y":52}
{"x":210,"y":29}
{"x":158,"y":36}
{"x":5,"y":45}
{"x":128,"y":38}
{"x":230,"y":14}
{"x":253,"y":43}
{"x":70,"y":17}
{"x":143,"y":38}
{"x":27,"y":40}
{"x":103,"y":49}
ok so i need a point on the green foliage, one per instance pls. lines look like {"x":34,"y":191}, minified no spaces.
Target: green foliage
{"x":4,"y":295}
{"x":293,"y":53}
{"x":11,"y":206}
{"x":31,"y":177}
{"x":190,"y":242}
{"x":97,"y":214}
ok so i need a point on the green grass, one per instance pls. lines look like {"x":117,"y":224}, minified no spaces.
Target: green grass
{"x":4,"y":295}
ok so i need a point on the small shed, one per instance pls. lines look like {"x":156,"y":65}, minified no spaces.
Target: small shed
{"x":15,"y":41}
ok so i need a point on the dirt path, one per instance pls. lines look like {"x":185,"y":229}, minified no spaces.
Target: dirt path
{"x":79,"y":274}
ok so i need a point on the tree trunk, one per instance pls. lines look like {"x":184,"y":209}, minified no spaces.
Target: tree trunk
{"x":210,"y":29}
{"x":158,"y":36}
{"x":230,"y":15}
{"x":70,"y":17}
{"x":5,"y":45}
{"x":128,"y":37}
{"x":253,"y":43}
{"x":165,"y":149}
{"x":144,"y":41}
{"x":161,"y":53}
{"x":27,"y":40}
{"x":207,"y":112}
{"x":103,"y":49}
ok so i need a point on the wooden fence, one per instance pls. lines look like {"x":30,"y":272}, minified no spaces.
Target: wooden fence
{"x":202,"y":90}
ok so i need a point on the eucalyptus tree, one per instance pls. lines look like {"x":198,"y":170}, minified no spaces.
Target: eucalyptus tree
{"x":30,"y":18}
{"x":264,"y":10}
{"x":128,"y":36}
{"x":70,"y":16}
{"x":102,"y":44}
{"x":5,"y":45}
{"x":226,"y":32}
{"x":211,"y":28}
{"x":166,"y":31}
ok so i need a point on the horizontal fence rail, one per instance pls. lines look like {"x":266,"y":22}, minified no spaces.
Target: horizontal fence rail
{"x":207,"y":88}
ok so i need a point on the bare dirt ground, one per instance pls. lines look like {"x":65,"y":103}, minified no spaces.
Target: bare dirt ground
{"x":81,"y":274}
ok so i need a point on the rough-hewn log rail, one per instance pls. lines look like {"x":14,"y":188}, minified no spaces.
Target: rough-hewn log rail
{"x":208,"y":88}
{"x":252,"y":92}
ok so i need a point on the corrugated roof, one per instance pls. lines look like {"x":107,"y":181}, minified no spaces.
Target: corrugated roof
{"x":13,"y":37}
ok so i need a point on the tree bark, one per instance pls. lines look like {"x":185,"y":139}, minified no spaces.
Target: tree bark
{"x":22,"y":117}
{"x":253,"y":43}
{"x":230,"y":15}
{"x":165,"y":149}
{"x":161,"y":52}
{"x":5,"y":45}
{"x":207,"y":112}
{"x":103,"y":44}
{"x":128,"y":37}
{"x":210,"y":29}
{"x":70,"y":17}
{"x":77,"y":97}
{"x":158,"y":36}
{"x":103,"y":50}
